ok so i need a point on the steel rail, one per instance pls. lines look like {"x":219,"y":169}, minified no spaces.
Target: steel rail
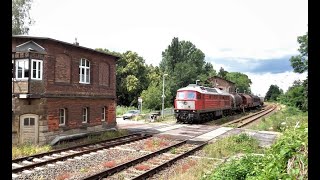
{"x":256,"y":117}
{"x":168,"y":163}
{"x":122,"y":166}
{"x":70,"y":148}
{"x":243,"y":118}
{"x":16,"y":170}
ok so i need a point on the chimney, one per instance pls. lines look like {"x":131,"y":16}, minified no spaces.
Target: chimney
{"x":76,"y":43}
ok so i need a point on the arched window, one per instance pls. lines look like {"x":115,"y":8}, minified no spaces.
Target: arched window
{"x":84,"y":69}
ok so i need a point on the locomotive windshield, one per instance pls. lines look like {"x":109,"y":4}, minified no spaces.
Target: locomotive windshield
{"x":180,"y":95}
{"x":186,"y":95}
{"x":191,"y":95}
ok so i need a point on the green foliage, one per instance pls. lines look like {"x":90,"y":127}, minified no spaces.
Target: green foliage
{"x":236,"y":169}
{"x":296,"y":96}
{"x":152,"y":97}
{"x":132,"y":76}
{"x":300,"y":62}
{"x":21,"y":17}
{"x":222,"y":73}
{"x":231,"y":145}
{"x":242,"y":81}
{"x":104,"y":50}
{"x":273,"y":93}
{"x":286,"y":159}
{"x":120,"y":110}
{"x":282,"y":120}
{"x":28,"y":150}
{"x":185,"y":64}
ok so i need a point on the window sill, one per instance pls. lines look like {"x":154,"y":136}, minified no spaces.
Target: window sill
{"x":64,"y":127}
{"x":83,"y":83}
{"x":25,"y":79}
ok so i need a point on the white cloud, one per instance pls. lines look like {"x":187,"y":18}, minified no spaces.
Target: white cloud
{"x":248,"y":28}
{"x":262,"y":82}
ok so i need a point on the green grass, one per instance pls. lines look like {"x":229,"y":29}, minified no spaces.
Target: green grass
{"x":220,"y":149}
{"x":192,"y":170}
{"x":232,"y":145}
{"x":30,"y":149}
{"x":281,"y":120}
{"x":287,"y":158}
{"x":93,"y":138}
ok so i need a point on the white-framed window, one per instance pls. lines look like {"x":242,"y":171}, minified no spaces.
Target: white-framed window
{"x":36,"y":67}
{"x":103,"y":114}
{"x":85,"y":115}
{"x":84,"y":69}
{"x":62,"y":116}
{"x":22,"y":69}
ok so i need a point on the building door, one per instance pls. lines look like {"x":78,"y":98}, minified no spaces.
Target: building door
{"x":29,"y":128}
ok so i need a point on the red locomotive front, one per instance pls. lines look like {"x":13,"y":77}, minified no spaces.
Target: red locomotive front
{"x":197,"y":103}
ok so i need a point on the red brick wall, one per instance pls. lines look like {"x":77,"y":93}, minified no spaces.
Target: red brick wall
{"x":222,"y":84}
{"x":63,"y":64}
{"x":61,"y":69}
{"x":74,"y":112}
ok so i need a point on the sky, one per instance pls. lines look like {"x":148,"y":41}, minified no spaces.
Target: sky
{"x":253,"y":37}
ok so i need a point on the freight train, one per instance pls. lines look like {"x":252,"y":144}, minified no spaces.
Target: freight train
{"x":197,"y":104}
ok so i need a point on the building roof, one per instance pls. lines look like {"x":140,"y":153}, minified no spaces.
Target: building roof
{"x":70,"y":44}
{"x":202,"y":89}
{"x":222,"y":79}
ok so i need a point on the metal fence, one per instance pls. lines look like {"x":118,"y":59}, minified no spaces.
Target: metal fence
{"x":168,"y":112}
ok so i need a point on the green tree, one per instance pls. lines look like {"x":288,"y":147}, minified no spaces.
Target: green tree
{"x":222,"y":73}
{"x":295,"y":96}
{"x":152,"y":97}
{"x":242,"y":81}
{"x":184,"y":63}
{"x":20,"y":16}
{"x":132,"y":77}
{"x":300,"y":62}
{"x":273,"y":93}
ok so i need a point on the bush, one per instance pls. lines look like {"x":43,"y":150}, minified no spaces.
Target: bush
{"x":282,"y":120}
{"x":231,"y":145}
{"x":286,"y":159}
{"x":236,"y":169}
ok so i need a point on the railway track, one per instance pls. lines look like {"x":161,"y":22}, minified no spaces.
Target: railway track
{"x":140,"y":168}
{"x":38,"y":160}
{"x":146,"y":166}
{"x":250,"y":118}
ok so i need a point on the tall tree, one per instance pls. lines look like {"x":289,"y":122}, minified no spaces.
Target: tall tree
{"x":132,"y":77}
{"x":273,"y":93}
{"x":242,"y":81}
{"x":295,"y":96}
{"x":184,"y":63}
{"x":300,"y":62}
{"x":20,"y":16}
{"x":222,"y":73}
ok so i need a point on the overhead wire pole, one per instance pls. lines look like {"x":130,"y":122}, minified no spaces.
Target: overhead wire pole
{"x":163,"y":94}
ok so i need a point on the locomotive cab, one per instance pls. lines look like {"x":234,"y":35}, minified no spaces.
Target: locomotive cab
{"x":186,"y":103}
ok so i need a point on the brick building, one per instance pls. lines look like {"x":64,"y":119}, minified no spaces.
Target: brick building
{"x":60,"y":88}
{"x":222,"y":84}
